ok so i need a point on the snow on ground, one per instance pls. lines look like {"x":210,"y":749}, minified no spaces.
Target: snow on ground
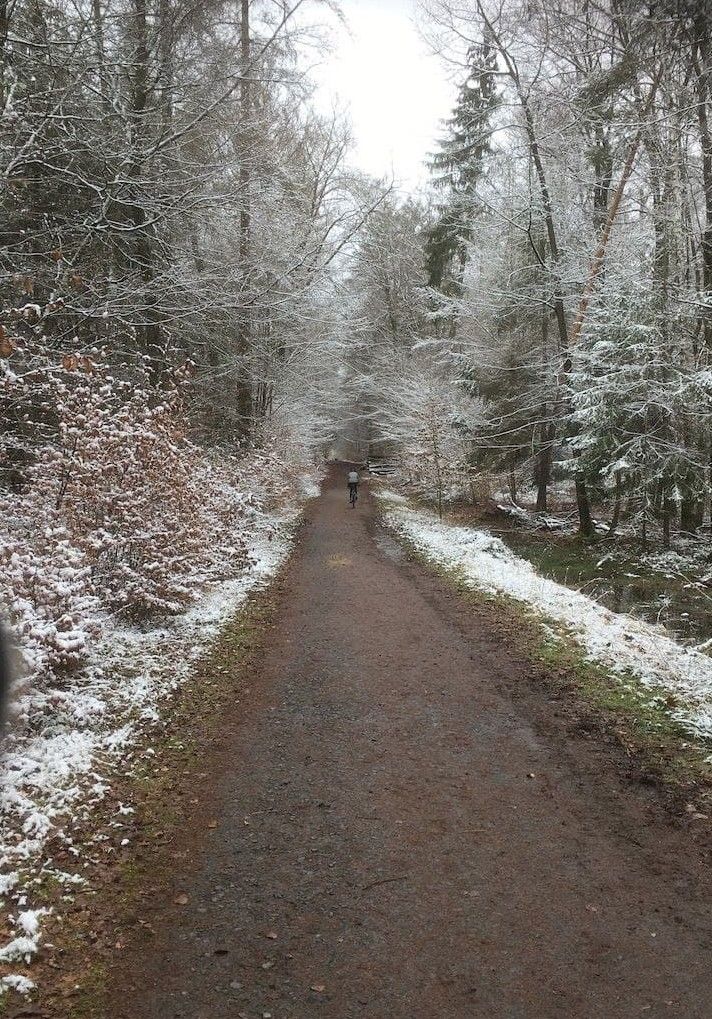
{"x":625,"y":645}
{"x":65,"y":743}
{"x":309,"y":487}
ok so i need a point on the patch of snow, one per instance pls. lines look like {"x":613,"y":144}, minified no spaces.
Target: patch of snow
{"x":8,"y":882}
{"x":29,"y":921}
{"x":20,"y":949}
{"x":623,"y":644}
{"x":388,"y":496}
{"x":309,"y":487}
{"x":16,"y":982}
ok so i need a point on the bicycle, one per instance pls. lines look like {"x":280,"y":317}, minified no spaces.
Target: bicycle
{"x":353,"y":495}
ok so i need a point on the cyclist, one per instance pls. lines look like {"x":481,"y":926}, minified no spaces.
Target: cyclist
{"x":353,"y":487}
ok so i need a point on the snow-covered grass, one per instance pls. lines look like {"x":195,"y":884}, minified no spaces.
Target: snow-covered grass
{"x":67,"y":741}
{"x":626,"y":646}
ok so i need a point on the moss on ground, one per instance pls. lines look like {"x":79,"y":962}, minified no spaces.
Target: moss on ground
{"x":610,"y":570}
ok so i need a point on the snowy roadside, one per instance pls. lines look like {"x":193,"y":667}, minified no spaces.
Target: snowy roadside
{"x":636,"y":651}
{"x":66,"y":743}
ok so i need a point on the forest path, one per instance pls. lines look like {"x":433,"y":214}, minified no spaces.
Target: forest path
{"x":396,"y":839}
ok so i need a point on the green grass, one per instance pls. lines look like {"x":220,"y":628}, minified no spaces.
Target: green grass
{"x":91,"y":998}
{"x":642,"y":716}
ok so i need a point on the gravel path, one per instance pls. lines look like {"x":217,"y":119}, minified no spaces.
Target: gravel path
{"x":397,"y":838}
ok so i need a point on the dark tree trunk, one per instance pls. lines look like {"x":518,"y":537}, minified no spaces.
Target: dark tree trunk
{"x":4,"y":28}
{"x":98,"y":18}
{"x":543,"y":467}
{"x":666,"y":514}
{"x":702,"y":65}
{"x":617,"y":503}
{"x":584,"y":508}
{"x":691,"y":514}
{"x":244,"y":385}
{"x":149,"y":329}
{"x":512,"y":481}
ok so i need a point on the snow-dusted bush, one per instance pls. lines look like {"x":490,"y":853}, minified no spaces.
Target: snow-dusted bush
{"x":106,"y":504}
{"x":46,"y":588}
{"x":128,"y":485}
{"x":433,"y":424}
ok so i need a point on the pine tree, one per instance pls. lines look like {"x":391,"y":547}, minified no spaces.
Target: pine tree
{"x":458,"y":169}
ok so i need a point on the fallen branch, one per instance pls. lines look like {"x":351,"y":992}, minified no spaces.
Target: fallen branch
{"x":383,"y":881}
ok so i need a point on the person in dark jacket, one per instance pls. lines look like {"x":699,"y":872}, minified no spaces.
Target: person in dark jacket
{"x":353,"y":483}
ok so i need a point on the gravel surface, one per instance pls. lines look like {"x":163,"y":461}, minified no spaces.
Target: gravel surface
{"x":398,"y":836}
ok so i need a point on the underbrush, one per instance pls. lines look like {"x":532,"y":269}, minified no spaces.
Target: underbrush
{"x":108,"y":510}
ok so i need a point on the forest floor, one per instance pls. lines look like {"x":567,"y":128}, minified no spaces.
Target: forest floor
{"x":669,"y":586}
{"x":392,"y":807}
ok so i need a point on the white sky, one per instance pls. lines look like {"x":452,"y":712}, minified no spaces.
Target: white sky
{"x":395,"y":91}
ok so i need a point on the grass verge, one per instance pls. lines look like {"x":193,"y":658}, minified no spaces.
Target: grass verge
{"x":596,"y":704}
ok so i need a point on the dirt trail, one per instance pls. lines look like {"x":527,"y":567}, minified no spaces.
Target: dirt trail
{"x":417,"y":849}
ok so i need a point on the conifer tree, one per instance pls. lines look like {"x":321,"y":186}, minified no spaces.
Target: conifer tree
{"x":458,"y":169}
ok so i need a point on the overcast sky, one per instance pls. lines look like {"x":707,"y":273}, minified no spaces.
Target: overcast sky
{"x":396,"y":92}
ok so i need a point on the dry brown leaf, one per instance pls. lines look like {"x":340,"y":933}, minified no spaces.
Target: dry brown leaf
{"x":181,"y":900}
{"x":6,"y":344}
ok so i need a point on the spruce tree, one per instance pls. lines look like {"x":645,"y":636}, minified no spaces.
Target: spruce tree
{"x":458,"y":168}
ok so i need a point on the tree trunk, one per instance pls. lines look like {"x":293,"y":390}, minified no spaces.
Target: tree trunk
{"x":512,"y":479}
{"x":244,"y":386}
{"x":543,"y":470}
{"x":582,"y":501}
{"x":165,"y":49}
{"x":666,"y":513}
{"x":691,"y":514}
{"x":584,"y":508}
{"x":4,"y":28}
{"x":617,"y":503}
{"x":701,"y":62}
{"x":98,"y":19}
{"x":149,"y":329}
{"x":547,"y":430}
